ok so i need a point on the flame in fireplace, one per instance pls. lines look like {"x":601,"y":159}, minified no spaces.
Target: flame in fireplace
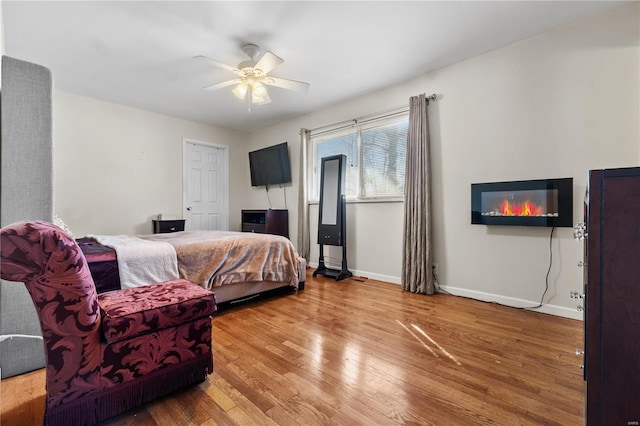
{"x":520,"y":209}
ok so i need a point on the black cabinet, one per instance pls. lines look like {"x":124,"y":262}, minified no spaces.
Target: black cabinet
{"x":612,"y":297}
{"x":266,"y":221}
{"x":165,"y":226}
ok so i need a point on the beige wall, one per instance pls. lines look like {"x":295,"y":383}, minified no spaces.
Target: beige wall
{"x":553,"y":106}
{"x":116,"y":167}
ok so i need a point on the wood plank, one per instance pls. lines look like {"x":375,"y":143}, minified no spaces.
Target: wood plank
{"x":368,"y":353}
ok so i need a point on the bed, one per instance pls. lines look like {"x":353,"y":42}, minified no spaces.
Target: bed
{"x":103,"y":264}
{"x":235,"y":265}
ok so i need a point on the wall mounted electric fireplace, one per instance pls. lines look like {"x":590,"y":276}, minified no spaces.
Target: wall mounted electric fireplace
{"x":543,"y":202}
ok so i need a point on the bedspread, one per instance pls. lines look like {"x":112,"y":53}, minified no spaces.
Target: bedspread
{"x":141,"y":262}
{"x":213,"y":258}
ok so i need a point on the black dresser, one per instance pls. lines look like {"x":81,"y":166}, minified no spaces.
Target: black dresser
{"x":269,"y":221}
{"x":612,"y":297}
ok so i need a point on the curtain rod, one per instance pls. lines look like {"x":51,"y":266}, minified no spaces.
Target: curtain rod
{"x":365,"y":118}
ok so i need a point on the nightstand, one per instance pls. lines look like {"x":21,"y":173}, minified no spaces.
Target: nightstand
{"x":165,"y":226}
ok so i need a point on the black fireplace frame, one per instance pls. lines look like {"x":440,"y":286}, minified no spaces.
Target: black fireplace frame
{"x":564,"y":186}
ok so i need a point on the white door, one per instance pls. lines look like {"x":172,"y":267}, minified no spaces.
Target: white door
{"x":205,"y":189}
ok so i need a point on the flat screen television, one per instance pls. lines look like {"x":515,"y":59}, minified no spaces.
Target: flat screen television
{"x":270,"y":166}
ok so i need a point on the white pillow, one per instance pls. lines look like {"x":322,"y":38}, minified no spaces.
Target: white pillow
{"x":60,"y":224}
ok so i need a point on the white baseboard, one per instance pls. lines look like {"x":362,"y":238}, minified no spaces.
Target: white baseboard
{"x":556,"y":310}
{"x":560,"y":311}
{"x":358,"y":273}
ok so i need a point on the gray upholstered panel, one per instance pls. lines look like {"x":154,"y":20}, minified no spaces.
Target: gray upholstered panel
{"x":26,"y":168}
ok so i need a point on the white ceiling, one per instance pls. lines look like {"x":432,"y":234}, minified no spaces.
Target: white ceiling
{"x":140,"y":53}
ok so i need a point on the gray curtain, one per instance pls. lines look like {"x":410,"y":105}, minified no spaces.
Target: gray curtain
{"x":303,"y":199}
{"x":417,"y":249}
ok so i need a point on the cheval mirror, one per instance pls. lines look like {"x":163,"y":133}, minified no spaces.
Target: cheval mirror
{"x":332,"y":214}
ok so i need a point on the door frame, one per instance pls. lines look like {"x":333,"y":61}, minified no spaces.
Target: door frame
{"x":225,"y":176}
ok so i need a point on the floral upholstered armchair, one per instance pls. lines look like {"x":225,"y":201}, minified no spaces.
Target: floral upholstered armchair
{"x":107,"y":353}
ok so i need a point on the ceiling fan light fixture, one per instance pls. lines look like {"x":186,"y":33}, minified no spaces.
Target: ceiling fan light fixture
{"x":240,"y":91}
{"x":255,"y":97}
{"x":259,"y":90}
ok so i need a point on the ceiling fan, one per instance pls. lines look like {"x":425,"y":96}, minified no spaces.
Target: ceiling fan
{"x":252,"y":76}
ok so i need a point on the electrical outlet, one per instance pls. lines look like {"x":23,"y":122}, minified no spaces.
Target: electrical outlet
{"x":434,"y":269}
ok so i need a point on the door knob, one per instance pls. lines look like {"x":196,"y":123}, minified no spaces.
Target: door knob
{"x":189,"y":208}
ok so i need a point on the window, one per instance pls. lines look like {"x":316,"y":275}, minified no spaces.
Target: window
{"x":376,"y":156}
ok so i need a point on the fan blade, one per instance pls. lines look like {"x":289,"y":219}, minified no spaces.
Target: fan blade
{"x":299,"y":86}
{"x":268,"y":62}
{"x":223,"y":84}
{"x":218,"y":64}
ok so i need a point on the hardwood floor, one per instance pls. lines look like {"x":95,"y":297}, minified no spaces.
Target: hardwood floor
{"x":354,"y":352}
